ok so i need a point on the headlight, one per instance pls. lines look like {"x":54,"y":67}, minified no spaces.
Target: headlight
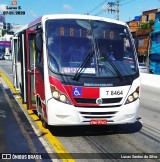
{"x":63,"y":98}
{"x":59,"y":96}
{"x":135,"y":95}
{"x":132,"y":97}
{"x":56,"y":94}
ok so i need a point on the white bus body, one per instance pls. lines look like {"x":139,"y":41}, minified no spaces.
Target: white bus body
{"x":78,"y":70}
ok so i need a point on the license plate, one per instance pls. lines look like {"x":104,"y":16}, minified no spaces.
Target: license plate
{"x":98,"y":122}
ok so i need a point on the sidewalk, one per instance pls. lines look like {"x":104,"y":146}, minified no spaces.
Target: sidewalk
{"x":12,"y":139}
{"x":16,"y":133}
{"x":151,"y":80}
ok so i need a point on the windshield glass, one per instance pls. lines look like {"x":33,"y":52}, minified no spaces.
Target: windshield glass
{"x":95,"y":48}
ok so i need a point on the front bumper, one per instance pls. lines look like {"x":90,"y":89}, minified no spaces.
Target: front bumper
{"x":63,"y":114}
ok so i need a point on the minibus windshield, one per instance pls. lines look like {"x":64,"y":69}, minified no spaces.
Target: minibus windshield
{"x":70,"y":41}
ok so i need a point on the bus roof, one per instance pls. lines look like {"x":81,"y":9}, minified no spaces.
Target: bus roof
{"x":38,"y":20}
{"x":21,"y":29}
{"x":72,"y":16}
{"x":68,"y":16}
{"x":78,"y":16}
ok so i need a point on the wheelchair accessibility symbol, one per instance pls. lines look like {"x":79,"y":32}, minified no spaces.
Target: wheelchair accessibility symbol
{"x":77,"y":91}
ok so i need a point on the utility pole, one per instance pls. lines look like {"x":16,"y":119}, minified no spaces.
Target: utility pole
{"x":113,"y":7}
{"x":117,"y":17}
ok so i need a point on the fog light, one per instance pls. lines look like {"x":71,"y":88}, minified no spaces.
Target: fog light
{"x":56,"y":94}
{"x":63,"y":98}
{"x":130,"y":98}
{"x":135,"y":95}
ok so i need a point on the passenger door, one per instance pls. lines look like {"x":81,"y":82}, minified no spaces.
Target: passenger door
{"x":14,"y":62}
{"x":30,"y":69}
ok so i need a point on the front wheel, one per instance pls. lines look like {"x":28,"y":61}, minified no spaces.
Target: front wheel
{"x":40,"y":114}
{"x":44,"y":124}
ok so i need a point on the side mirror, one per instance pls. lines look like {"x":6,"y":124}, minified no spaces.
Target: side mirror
{"x":39,"y":42}
{"x":123,"y":35}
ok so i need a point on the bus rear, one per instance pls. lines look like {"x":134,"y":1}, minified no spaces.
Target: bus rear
{"x":90,"y":72}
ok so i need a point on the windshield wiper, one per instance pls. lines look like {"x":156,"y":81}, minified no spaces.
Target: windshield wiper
{"x":77,"y":74}
{"x":115,"y":68}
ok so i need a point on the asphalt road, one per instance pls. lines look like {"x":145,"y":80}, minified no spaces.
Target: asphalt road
{"x":89,"y":143}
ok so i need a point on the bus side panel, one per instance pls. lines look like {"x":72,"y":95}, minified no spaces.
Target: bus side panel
{"x":39,"y":83}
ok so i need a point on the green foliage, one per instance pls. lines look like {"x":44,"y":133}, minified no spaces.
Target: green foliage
{"x":144,"y":26}
{"x":151,"y":22}
{"x":147,"y":25}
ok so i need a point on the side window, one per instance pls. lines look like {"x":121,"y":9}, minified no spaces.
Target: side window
{"x":18,"y":50}
{"x":39,"y":52}
{"x":32,"y":49}
{"x":15,"y":49}
{"x":20,"y":47}
{"x":38,"y":58}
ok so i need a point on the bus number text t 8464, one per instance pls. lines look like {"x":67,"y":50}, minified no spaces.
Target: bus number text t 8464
{"x":114,"y":93}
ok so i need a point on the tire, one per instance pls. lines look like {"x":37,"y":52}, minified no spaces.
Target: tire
{"x":44,"y":124}
{"x":38,"y":108}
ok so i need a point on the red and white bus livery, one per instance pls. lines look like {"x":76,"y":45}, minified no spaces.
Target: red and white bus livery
{"x":77,"y":70}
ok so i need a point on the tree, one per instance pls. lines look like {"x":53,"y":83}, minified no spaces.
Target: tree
{"x":4,"y":32}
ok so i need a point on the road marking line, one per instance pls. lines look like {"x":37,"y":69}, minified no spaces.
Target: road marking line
{"x":8,"y":82}
{"x":55,"y":143}
{"x":58,"y":147}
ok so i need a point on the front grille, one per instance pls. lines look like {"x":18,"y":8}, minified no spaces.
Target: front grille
{"x":101,"y":115}
{"x":93,"y":100}
{"x":108,"y":106}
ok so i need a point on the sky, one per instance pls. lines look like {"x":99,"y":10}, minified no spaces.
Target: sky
{"x":36,"y":8}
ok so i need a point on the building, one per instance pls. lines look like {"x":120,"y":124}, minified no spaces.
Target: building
{"x":141,"y":27}
{"x":5,"y":47}
{"x":4,"y":27}
{"x":155,"y":47}
{"x":2,"y":18}
{"x":144,"y":41}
